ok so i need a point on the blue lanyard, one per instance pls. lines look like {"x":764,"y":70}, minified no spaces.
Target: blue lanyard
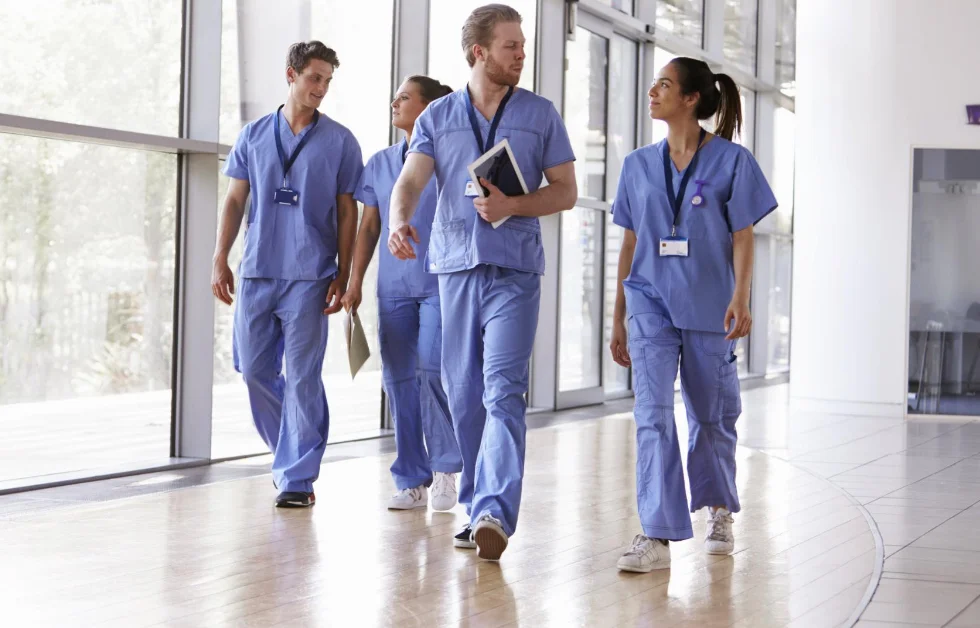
{"x":471,"y":110}
{"x":404,"y":150}
{"x":288,"y":163}
{"x":675,"y":202}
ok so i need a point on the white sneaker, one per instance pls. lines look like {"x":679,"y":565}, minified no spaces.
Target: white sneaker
{"x":443,"y":491}
{"x":645,"y":555}
{"x":490,"y":538}
{"x":718,"y":539}
{"x":409,"y":498}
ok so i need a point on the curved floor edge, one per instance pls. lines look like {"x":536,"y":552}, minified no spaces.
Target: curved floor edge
{"x":879,"y":566}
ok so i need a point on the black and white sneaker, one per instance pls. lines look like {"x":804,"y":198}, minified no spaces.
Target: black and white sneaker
{"x":292,"y":499}
{"x":464,"y":540}
{"x":490,"y":538}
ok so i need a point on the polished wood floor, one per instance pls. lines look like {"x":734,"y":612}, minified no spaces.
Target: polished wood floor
{"x":221,"y":555}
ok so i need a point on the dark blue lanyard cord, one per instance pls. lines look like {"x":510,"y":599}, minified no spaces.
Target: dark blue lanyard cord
{"x":471,"y":110}
{"x":675,"y":201}
{"x":288,"y":163}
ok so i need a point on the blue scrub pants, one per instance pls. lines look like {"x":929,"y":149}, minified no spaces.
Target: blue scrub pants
{"x":410,"y":335}
{"x":277,"y":318}
{"x":490,"y":316}
{"x":709,"y":384}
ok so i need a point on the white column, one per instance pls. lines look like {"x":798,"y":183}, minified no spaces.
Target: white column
{"x":876,"y":78}
{"x":198,"y":203}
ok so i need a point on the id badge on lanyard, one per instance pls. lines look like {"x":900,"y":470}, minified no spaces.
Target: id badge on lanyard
{"x":471,"y":191}
{"x":675,"y":245}
{"x":285,"y":195}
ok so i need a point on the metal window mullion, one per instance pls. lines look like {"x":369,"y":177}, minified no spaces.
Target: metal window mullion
{"x":549,"y":79}
{"x":56,"y":130}
{"x":197,"y":209}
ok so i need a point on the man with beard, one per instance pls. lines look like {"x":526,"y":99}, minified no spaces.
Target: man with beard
{"x":301,"y":169}
{"x":489,"y":278}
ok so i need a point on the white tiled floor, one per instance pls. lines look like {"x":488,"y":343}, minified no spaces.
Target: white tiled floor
{"x":920,"y":482}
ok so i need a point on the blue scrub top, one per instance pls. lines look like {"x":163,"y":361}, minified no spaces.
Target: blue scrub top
{"x":294,"y":242}
{"x":397,"y":278}
{"x":461,"y":240}
{"x":694,"y":290}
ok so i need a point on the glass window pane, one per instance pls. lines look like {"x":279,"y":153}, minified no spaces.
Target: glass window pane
{"x":661,"y":58}
{"x":786,"y":46}
{"x":585,"y":109}
{"x":622,"y":108}
{"x":615,"y":378}
{"x":253,"y":81}
{"x":742,"y":353}
{"x":86,"y":305}
{"x":360,"y":95}
{"x":681,"y":18}
{"x":784,"y":166}
{"x":626,"y":6}
{"x":112,"y":63}
{"x":741,"y":19}
{"x":580,"y":335}
{"x":447,"y":61}
{"x":232,"y":432}
{"x":747,"y":137}
{"x":780,"y":283}
{"x":944,"y":289}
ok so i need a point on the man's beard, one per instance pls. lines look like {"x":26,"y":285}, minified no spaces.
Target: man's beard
{"x":500,"y":76}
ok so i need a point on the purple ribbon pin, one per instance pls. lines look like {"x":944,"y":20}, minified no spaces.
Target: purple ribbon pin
{"x":698,"y":198}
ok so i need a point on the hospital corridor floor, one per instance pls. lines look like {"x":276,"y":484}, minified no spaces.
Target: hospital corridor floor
{"x":846,"y":520}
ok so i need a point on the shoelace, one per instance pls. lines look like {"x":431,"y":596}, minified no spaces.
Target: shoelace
{"x":638,"y":546}
{"x":442,"y":484}
{"x":491,"y":519}
{"x":414,"y":493}
{"x":716,"y":526}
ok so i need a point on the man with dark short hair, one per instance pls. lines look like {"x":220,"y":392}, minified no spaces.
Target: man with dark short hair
{"x":301,"y":169}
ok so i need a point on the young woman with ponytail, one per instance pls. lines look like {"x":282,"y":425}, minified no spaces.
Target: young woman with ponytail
{"x":409,"y":321}
{"x":688,"y":204}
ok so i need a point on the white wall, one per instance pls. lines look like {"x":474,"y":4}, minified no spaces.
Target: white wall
{"x":875,"y":78}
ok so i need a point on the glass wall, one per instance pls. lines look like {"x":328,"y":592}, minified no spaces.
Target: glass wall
{"x":944,"y":288}
{"x":585,"y":112}
{"x":86,"y":305}
{"x":681,"y":18}
{"x":778,"y":325}
{"x":786,"y":46}
{"x":600,"y":112}
{"x":783,"y":169}
{"x":76,"y":62}
{"x":580,"y":335}
{"x":741,"y":17}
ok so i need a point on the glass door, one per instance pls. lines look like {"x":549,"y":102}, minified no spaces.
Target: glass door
{"x":600,"y":115}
